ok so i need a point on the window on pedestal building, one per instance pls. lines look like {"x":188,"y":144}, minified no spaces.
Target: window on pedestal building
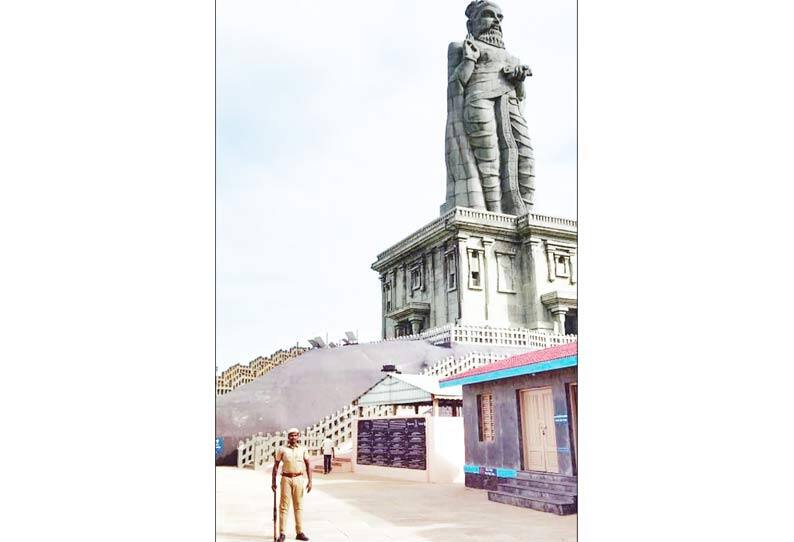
{"x":452,"y":271}
{"x":571,"y":322}
{"x":475,"y":277}
{"x":505,"y":280}
{"x":416,"y":277}
{"x":561,"y":269}
{"x":387,"y":290}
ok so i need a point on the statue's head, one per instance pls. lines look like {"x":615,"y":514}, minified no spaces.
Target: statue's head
{"x":484,"y":22}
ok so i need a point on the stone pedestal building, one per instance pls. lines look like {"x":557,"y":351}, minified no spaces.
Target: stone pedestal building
{"x":476,"y":267}
{"x":488,"y":260}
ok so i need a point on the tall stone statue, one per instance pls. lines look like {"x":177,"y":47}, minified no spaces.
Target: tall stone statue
{"x":488,"y":153}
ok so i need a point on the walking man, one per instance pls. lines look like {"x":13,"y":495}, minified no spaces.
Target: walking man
{"x":296,"y":462}
{"x":328,"y":454}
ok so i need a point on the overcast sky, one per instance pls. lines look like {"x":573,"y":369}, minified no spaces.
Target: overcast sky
{"x":330,"y":149}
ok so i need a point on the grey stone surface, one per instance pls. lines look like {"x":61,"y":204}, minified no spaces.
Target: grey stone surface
{"x":490,"y":163}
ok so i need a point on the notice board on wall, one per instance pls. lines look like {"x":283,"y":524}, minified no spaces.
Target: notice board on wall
{"x":398,"y":443}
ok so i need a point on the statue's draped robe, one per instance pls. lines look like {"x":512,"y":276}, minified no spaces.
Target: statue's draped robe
{"x":488,"y":151}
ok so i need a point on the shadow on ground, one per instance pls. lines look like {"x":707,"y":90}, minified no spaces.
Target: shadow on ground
{"x":446,"y":512}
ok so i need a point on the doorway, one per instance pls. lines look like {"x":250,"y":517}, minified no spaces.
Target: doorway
{"x":573,"y":397}
{"x":539,"y":434}
{"x":571,"y":322}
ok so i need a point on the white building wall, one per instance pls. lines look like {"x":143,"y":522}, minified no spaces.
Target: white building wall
{"x":447,"y":453}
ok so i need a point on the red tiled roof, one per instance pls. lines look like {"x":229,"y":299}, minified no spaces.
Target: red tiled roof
{"x":536,"y":356}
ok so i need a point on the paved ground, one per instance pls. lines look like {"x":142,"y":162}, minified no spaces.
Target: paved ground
{"x":346,"y":507}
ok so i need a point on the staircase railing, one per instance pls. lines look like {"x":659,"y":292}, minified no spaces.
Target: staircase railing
{"x":257,"y":451}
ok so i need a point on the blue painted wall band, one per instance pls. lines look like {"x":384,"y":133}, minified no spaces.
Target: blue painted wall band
{"x":491,"y":471}
{"x":533,"y":368}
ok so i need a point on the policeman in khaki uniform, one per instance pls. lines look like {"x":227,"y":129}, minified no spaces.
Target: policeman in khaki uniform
{"x":296,"y":463}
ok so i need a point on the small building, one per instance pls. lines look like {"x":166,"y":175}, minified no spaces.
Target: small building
{"x":409,"y":392}
{"x":419,"y":434}
{"x":520,"y":428}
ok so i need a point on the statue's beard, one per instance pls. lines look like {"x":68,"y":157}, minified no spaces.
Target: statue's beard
{"x":492,"y":36}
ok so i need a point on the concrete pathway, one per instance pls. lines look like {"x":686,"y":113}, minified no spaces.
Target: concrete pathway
{"x":345,"y":507}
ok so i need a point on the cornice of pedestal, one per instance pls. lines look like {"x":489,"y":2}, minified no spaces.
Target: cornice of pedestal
{"x":463,"y":221}
{"x":559,"y":298}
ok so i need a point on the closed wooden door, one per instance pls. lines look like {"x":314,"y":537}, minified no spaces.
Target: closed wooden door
{"x":540,"y":439}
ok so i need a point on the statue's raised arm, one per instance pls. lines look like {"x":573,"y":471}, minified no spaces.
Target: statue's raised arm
{"x":488,"y":152}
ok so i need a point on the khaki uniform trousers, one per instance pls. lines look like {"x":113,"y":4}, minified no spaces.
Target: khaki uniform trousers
{"x":291,"y":489}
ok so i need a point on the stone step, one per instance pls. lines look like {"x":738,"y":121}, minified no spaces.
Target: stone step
{"x":554,"y":506}
{"x":536,"y":493}
{"x":546,"y":477}
{"x":557,"y":487}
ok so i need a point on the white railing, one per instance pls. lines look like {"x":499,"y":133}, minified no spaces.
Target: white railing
{"x":485,"y":334}
{"x":486,"y":216}
{"x":258,"y":451}
{"x":532,"y":218}
{"x":451,"y":365}
{"x":436,"y":336}
{"x":480,"y":216}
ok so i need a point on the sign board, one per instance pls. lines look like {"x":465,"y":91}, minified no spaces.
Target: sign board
{"x":392,"y":442}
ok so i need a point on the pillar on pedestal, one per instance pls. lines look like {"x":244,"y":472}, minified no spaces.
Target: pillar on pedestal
{"x":559,"y":319}
{"x":416,"y":324}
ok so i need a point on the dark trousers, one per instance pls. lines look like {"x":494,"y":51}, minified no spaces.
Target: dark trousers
{"x":326,"y":464}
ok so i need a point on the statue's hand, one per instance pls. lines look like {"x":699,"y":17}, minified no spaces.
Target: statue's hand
{"x":518,"y":73}
{"x":470,"y":50}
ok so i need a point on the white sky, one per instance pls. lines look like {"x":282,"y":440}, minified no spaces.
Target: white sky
{"x":330,"y":148}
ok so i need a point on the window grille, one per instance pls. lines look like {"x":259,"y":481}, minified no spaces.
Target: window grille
{"x":485,"y":417}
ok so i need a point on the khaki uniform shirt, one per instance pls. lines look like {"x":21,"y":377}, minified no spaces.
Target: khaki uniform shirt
{"x":292,"y":458}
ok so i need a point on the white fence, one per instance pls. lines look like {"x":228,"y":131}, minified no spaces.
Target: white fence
{"x":498,"y":336}
{"x":257,"y":451}
{"x":451,"y":366}
{"x":508,"y":336}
